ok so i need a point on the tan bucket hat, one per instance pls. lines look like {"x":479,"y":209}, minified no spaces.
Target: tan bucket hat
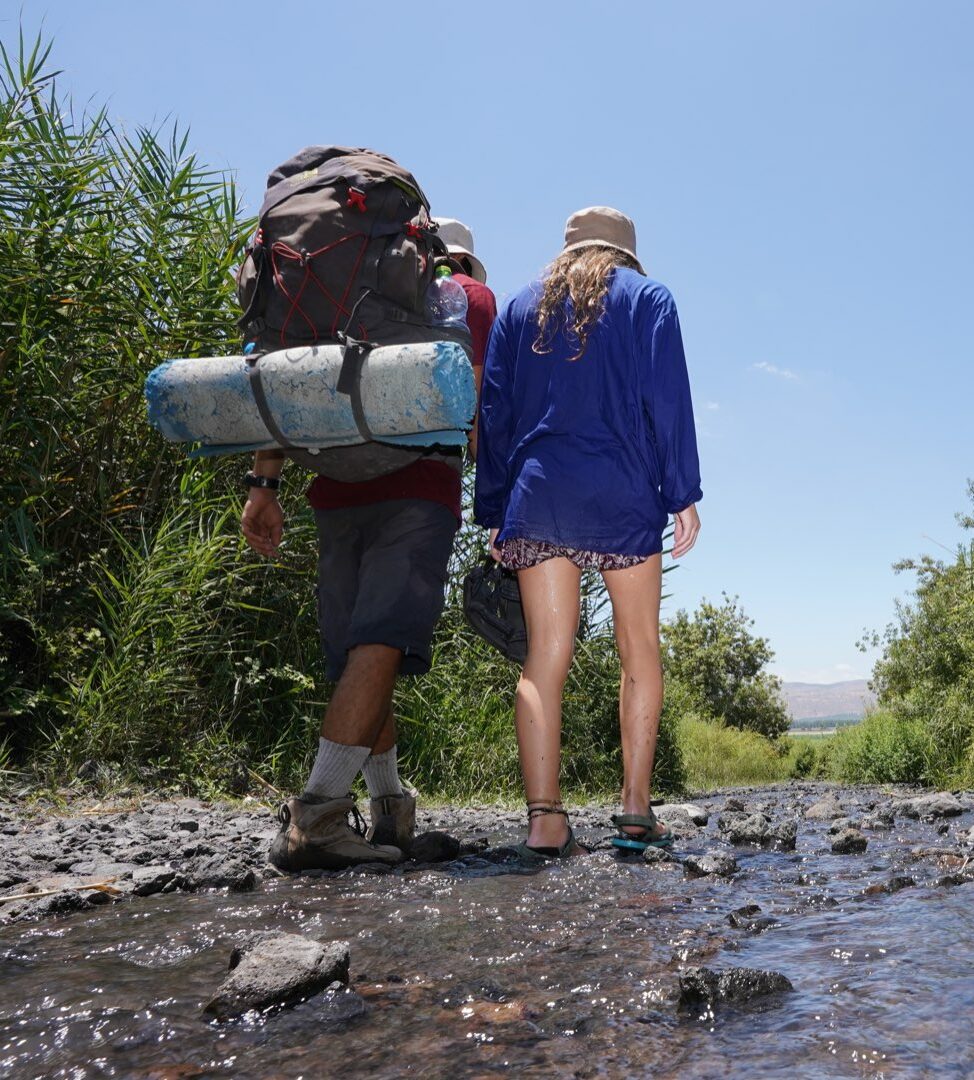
{"x":601,"y":225}
{"x":459,"y":241}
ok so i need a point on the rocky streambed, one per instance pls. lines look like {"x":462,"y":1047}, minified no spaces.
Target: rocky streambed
{"x":808,"y":928}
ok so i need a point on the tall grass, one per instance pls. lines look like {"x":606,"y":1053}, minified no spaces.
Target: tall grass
{"x":716,"y":756}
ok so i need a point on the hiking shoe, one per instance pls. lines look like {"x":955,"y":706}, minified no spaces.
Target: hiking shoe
{"x":394,"y":819}
{"x":318,"y":836}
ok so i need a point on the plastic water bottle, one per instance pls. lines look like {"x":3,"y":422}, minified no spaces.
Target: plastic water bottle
{"x":446,"y":302}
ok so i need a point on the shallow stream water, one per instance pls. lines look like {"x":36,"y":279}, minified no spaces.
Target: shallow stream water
{"x":477,"y":968}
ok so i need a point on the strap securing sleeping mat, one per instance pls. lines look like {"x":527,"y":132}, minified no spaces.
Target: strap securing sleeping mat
{"x":260,"y":399}
{"x":354,"y":355}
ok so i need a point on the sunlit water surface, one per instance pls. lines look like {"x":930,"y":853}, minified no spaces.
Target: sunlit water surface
{"x":475,"y":969}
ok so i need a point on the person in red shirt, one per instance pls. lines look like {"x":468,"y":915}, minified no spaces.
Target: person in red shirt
{"x":384,"y":545}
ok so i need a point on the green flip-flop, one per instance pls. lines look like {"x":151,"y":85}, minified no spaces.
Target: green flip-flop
{"x":633,"y":841}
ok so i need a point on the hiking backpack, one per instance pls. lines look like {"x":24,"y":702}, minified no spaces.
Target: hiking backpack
{"x":344,"y":252}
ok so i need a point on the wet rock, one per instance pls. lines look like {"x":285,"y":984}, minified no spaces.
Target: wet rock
{"x":744,"y":829}
{"x":959,"y":878}
{"x":742,"y":916}
{"x":220,"y":872}
{"x":938,"y":804}
{"x":784,"y":835}
{"x":849,"y":842}
{"x":893,"y":884}
{"x":10,"y":876}
{"x":757,"y":828}
{"x":690,"y":812}
{"x":60,"y":903}
{"x":841,"y":823}
{"x":335,"y":1005}
{"x":149,"y":880}
{"x":734,"y":805}
{"x":658,"y":857}
{"x":716,"y":863}
{"x":187,"y":825}
{"x":102,"y":869}
{"x":825,"y":810}
{"x":765,"y":922}
{"x":276,"y":970}
{"x":434,"y":846}
{"x":737,"y":986}
{"x":879,"y":821}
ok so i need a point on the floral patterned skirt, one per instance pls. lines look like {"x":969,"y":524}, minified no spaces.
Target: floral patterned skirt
{"x":520,"y":554}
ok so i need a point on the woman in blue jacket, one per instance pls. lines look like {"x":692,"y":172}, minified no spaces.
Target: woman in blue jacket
{"x":587,"y":445}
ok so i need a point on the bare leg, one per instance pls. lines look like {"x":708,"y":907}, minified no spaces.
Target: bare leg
{"x":549,"y":594}
{"x":360,"y":710}
{"x":386,"y":738}
{"x":635,"y":595}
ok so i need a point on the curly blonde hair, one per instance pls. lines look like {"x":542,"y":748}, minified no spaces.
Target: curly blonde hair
{"x":582,"y":277}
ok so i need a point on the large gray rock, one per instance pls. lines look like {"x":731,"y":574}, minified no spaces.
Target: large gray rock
{"x":223,"y":872}
{"x":826,"y":809}
{"x":738,"y":986}
{"x":276,"y":970}
{"x":784,"y":834}
{"x":938,"y":804}
{"x":713,"y":863}
{"x":149,"y":880}
{"x":757,"y":828}
{"x":744,"y":828}
{"x":669,"y":812}
{"x":849,"y":842}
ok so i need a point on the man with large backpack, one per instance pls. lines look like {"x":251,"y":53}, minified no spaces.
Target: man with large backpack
{"x":345,"y":252}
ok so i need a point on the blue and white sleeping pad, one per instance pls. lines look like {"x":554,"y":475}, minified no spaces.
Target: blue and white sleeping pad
{"x":411,"y":395}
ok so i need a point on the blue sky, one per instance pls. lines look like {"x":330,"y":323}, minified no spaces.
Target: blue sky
{"x":801,"y":176}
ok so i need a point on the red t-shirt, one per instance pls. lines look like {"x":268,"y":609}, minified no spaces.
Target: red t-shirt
{"x":423,"y":479}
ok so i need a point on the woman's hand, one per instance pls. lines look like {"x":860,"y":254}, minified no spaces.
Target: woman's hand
{"x":494,"y":553}
{"x":262,"y":521}
{"x":686,"y":525}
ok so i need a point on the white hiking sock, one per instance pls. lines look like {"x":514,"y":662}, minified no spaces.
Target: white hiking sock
{"x":381,"y":772}
{"x":335,"y":767}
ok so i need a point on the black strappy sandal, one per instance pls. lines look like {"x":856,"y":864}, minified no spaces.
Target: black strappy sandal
{"x":571,"y":846}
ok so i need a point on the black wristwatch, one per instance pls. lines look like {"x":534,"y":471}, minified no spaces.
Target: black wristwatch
{"x":252,"y":480}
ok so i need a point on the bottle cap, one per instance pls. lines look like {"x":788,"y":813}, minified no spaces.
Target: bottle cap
{"x":444,"y":271}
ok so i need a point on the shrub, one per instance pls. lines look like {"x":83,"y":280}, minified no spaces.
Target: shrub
{"x":716,"y":756}
{"x":883,"y":749}
{"x":715,"y":655}
{"x":804,"y":761}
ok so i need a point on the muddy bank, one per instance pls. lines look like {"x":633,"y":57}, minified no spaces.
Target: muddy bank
{"x":852,"y":908}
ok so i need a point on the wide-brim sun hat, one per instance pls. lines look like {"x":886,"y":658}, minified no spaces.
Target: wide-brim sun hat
{"x":459,"y":241}
{"x":598,"y":226}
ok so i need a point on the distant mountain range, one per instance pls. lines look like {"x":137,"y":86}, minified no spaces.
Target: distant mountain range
{"x":807,"y":700}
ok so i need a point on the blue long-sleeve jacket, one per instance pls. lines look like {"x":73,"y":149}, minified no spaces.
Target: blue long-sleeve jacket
{"x":593,"y":453}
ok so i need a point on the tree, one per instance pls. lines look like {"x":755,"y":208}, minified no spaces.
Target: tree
{"x":714,"y":654}
{"x":926,"y":672}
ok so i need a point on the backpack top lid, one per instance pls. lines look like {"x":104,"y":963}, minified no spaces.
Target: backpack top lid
{"x":316,"y":166}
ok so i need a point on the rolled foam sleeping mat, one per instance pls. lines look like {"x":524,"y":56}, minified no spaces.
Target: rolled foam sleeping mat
{"x":412,"y":395}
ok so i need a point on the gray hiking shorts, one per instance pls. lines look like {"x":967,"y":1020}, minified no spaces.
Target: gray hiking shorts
{"x":382,"y":579}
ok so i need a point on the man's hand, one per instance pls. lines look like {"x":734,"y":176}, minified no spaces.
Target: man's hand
{"x":495,"y":554}
{"x":262,"y":521}
{"x":686,"y":525}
